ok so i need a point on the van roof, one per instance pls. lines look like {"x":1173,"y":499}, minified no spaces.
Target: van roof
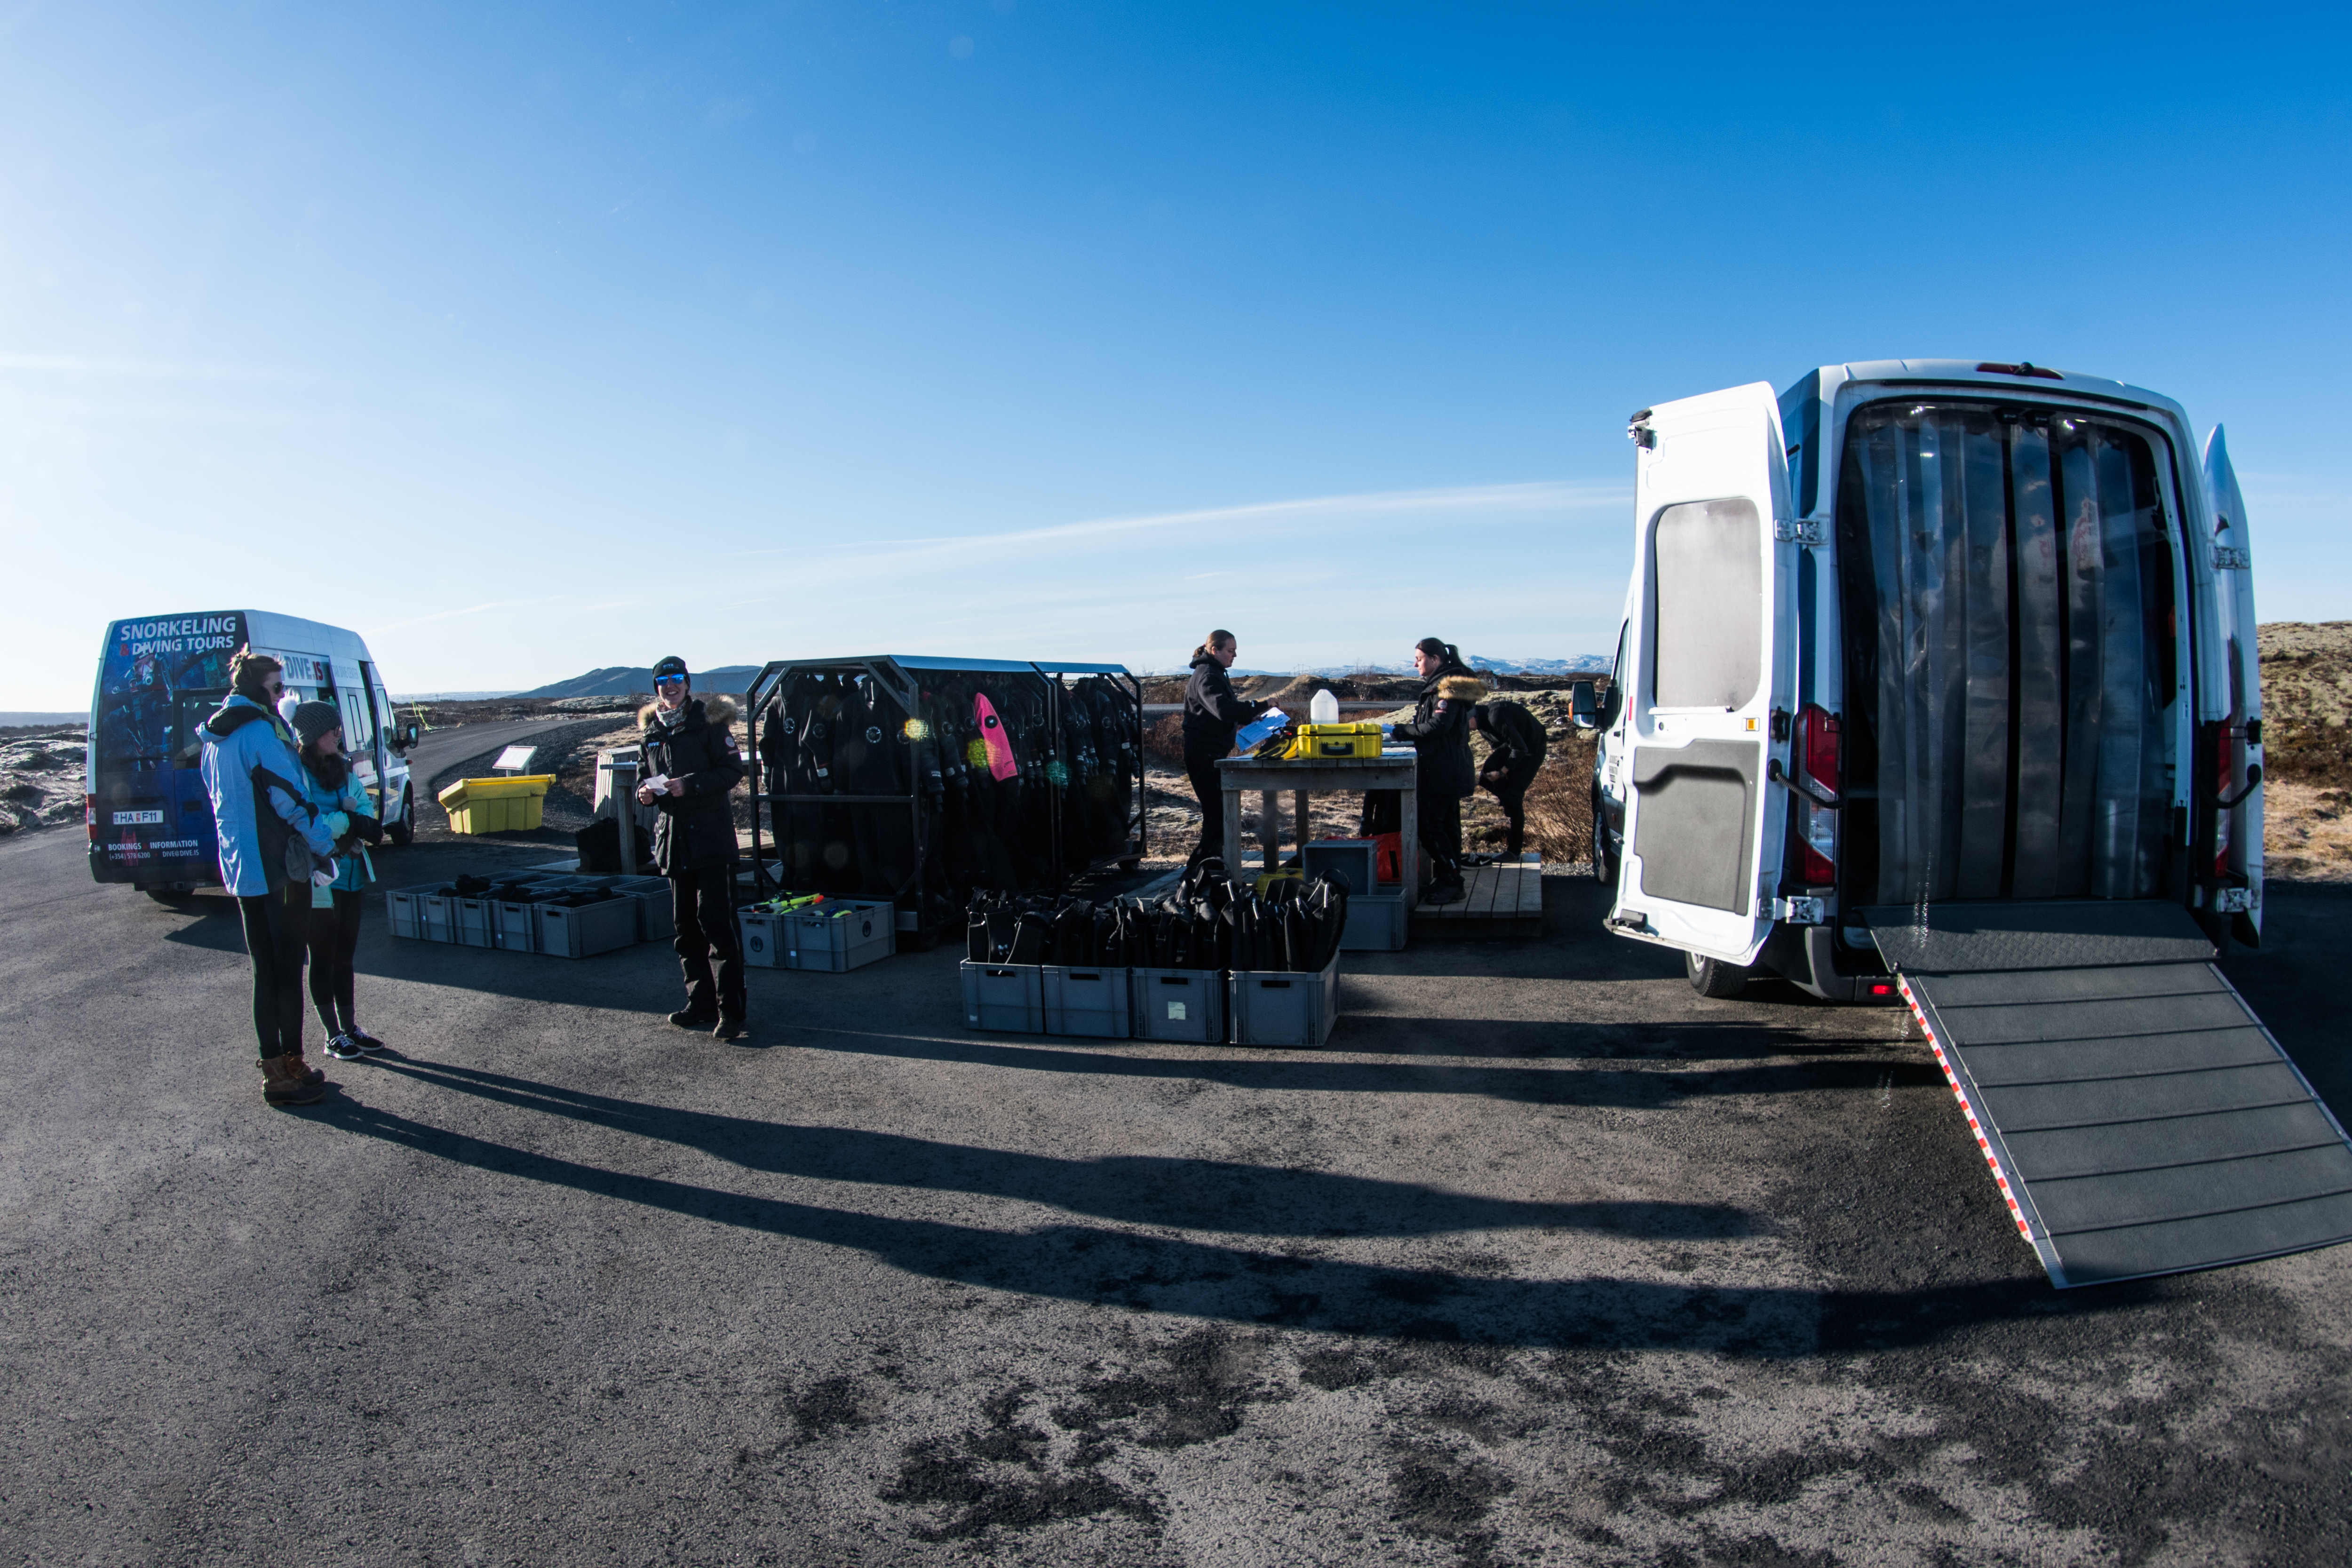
{"x":289,"y":634}
{"x":2017,"y":376}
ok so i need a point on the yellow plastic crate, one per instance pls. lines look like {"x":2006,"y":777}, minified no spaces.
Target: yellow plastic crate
{"x":1325,"y":743}
{"x":497,"y":805}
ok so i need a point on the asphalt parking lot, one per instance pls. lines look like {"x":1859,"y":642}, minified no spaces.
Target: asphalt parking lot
{"x":1544,"y":1260}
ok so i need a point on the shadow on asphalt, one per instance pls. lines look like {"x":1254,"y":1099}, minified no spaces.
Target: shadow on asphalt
{"x":1203,"y":1279}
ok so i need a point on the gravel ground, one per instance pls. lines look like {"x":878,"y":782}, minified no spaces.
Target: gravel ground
{"x":1544,"y":1260}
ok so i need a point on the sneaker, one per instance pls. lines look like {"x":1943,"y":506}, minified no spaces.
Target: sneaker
{"x":731,"y":1026}
{"x":689,"y":1018}
{"x":344,"y":1048}
{"x":366,"y":1041}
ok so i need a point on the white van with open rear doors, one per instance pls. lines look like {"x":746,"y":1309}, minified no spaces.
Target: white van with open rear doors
{"x":1937,"y":680}
{"x":158,"y":677}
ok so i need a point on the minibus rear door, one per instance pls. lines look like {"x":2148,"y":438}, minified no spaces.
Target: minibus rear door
{"x":1711,"y":673}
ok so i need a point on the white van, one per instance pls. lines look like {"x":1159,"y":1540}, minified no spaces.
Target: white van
{"x":158,"y":677}
{"x":1921,"y":634}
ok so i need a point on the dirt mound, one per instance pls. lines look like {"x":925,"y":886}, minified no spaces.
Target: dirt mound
{"x":2307,"y":701}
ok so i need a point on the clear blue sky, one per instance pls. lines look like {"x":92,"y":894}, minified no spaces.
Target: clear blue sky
{"x":526,"y":338}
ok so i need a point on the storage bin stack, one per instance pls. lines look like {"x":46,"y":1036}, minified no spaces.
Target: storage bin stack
{"x":809,"y":932}
{"x":562,"y":916}
{"x":1213,"y":958}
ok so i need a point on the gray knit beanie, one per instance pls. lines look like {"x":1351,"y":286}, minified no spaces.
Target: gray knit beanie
{"x":312,"y":720}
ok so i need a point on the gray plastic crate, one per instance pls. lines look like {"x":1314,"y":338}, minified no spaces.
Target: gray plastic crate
{"x":1274,"y":1009}
{"x":838,"y":935}
{"x":472,"y":920}
{"x":568,"y":932}
{"x":1376,"y":923}
{"x":438,"y":913}
{"x":1008,"y":997}
{"x":1082,"y":1001}
{"x":514,"y":927}
{"x":1183,"y":1005}
{"x":1352,"y":862}
{"x":405,"y":908}
{"x":764,"y":943}
{"x":657,"y":921}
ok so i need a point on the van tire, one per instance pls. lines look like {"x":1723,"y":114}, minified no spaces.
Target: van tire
{"x":1713,"y":977}
{"x":404,"y":831}
{"x":167,"y":893}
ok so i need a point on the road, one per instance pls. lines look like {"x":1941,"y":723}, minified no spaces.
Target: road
{"x":1544,"y":1258}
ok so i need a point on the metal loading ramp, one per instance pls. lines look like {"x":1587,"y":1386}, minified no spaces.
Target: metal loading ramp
{"x":2138,"y":1118}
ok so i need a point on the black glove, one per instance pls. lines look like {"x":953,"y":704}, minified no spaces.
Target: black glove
{"x":366,"y":828}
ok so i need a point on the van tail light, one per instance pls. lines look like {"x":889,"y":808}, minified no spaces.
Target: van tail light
{"x":1821,"y":757}
{"x":2220,"y":791}
{"x":89,"y":815}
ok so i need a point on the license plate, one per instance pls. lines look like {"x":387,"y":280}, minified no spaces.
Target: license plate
{"x":137,"y":818}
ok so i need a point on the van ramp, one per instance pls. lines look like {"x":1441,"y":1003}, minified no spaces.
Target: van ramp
{"x":2138,"y":1118}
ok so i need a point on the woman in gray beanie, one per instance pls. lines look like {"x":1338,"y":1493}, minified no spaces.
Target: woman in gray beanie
{"x":342,"y":804}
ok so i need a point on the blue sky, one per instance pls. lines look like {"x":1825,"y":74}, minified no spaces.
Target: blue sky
{"x":528,"y":338}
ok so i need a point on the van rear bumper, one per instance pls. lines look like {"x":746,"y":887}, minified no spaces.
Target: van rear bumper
{"x":1805,"y":957}
{"x":108,"y":863}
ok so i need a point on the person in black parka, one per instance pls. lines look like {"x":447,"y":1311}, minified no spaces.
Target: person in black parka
{"x":1440,"y":732}
{"x":1212,"y":714}
{"x":1518,"y":742}
{"x":690,"y":747}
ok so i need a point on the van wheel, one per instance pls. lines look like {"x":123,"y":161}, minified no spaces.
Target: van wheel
{"x":1713,"y":977}
{"x":167,"y":893}
{"x":1605,"y":857}
{"x":404,"y":831}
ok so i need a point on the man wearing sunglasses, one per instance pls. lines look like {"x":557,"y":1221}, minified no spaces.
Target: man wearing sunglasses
{"x":691,"y":767}
{"x":249,"y":770}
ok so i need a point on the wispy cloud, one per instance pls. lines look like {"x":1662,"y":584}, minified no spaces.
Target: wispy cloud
{"x":452,"y":615}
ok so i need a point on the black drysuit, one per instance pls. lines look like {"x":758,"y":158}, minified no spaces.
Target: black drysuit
{"x":1440,"y":732}
{"x":694,"y":846}
{"x":1518,"y":742}
{"x":1212,"y":714}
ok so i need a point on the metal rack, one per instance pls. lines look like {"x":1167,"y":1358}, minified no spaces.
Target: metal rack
{"x":899,"y":675}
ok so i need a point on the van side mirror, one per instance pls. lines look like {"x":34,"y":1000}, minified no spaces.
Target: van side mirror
{"x":1584,"y":706}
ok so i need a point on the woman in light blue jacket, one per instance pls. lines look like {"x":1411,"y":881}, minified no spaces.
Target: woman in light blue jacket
{"x":334,"y":793}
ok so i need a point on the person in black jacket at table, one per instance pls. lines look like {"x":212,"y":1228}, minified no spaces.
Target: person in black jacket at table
{"x":1212,"y":714}
{"x":1518,"y":742}
{"x":691,"y":767}
{"x":1440,"y":732}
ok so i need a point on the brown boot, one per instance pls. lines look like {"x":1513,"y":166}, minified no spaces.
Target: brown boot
{"x":283,"y":1082}
{"x":304,"y":1071}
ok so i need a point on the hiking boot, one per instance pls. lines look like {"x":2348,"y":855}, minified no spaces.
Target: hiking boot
{"x":1443,"y":893}
{"x":731,"y":1026}
{"x":283,"y":1082}
{"x":303,"y":1070}
{"x":693,"y":1018}
{"x":344,"y":1048}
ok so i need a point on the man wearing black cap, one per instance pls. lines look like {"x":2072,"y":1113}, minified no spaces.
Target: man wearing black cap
{"x":691,"y":766}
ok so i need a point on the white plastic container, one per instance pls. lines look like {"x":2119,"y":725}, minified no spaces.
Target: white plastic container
{"x":1324,"y":709}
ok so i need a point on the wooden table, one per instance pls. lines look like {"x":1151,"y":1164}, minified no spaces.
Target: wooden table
{"x":1301,"y":779}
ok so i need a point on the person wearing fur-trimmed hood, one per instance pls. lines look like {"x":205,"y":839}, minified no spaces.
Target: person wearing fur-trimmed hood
{"x":1440,"y":732}
{"x":691,"y":767}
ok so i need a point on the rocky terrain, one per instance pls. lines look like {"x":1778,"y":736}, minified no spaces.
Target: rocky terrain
{"x":40,"y":777}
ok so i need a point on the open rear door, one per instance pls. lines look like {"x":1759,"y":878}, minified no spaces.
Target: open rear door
{"x":2233,"y":582}
{"x":1710,"y":668}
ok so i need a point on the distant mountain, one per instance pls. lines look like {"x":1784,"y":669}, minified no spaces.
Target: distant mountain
{"x":1582,"y":664}
{"x":620,"y":681}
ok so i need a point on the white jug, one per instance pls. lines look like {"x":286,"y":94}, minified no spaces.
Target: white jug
{"x":1324,"y":709}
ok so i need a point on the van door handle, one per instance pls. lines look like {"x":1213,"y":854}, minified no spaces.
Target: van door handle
{"x":1781,"y":775}
{"x":2253,"y":783}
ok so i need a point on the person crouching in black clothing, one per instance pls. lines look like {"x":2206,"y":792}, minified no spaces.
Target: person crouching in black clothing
{"x":1518,"y":742}
{"x":1212,"y":714}
{"x":691,"y":766}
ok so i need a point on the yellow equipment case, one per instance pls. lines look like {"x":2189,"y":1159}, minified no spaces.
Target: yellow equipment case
{"x":497,"y":805}
{"x":1329,"y":742}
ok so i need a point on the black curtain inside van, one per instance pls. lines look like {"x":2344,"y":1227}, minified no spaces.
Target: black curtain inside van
{"x":2010,"y":626}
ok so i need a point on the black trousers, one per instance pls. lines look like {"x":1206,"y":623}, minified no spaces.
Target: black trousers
{"x":702,"y":904}
{"x":1441,"y":836}
{"x":276,"y":927}
{"x":1508,"y":785}
{"x":334,"y":938}
{"x":1200,"y":767}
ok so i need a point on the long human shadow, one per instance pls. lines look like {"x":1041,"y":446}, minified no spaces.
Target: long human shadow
{"x":1131,"y":1189}
{"x":1483,"y":1057}
{"x":1093,"y":1264}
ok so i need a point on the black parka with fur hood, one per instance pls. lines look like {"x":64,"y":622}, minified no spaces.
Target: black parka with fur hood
{"x":696,"y":828}
{"x":1440,"y":731}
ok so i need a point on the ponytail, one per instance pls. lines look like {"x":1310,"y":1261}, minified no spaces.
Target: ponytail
{"x":1438,"y":648}
{"x":1210,"y":643}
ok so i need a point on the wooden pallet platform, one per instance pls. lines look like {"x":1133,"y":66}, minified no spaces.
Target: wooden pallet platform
{"x":1498,"y":901}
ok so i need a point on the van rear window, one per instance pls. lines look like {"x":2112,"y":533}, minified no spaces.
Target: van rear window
{"x":2008,"y":582}
{"x":1708,"y":601}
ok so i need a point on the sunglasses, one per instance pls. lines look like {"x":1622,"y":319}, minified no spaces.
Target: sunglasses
{"x":669,"y":680}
